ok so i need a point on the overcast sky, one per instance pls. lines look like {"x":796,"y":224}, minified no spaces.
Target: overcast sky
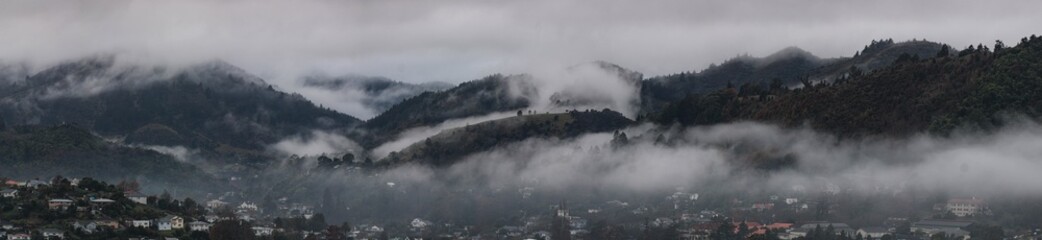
{"x":453,"y":41}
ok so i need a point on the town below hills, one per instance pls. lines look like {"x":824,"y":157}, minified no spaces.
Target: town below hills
{"x":211,"y":132}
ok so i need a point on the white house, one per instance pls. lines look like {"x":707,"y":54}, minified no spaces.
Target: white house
{"x":6,"y":225}
{"x":36,"y":183}
{"x":214,"y":204}
{"x":9,"y":193}
{"x":102,"y":201}
{"x":420,"y":223}
{"x":138,"y":198}
{"x":19,"y":236}
{"x":49,"y":233}
{"x":262,"y":231}
{"x":140,"y":223}
{"x":966,"y":207}
{"x":85,"y":225}
{"x":248,"y":206}
{"x":199,"y":226}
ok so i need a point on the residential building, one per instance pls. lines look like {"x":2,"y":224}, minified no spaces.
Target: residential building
{"x":50,"y":233}
{"x":137,"y":197}
{"x":59,"y":204}
{"x":874,"y":232}
{"x":951,"y":227}
{"x":199,"y":226}
{"x":170,"y":222}
{"x":86,"y":226}
{"x":263,"y":231}
{"x":139,"y":223}
{"x":107,"y":222}
{"x":19,"y":236}
{"x":966,"y":207}
{"x":215,"y":204}
{"x":9,"y":193}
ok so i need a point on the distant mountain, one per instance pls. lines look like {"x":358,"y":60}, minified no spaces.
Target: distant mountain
{"x":452,"y":145}
{"x":496,"y":93}
{"x":28,"y":152}
{"x":212,"y":106}
{"x":380,"y":93}
{"x":972,"y":87}
{"x":594,"y":85}
{"x":787,"y":66}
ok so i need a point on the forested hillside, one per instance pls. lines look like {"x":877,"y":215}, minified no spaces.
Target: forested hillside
{"x":968,"y":88}
{"x":28,"y":152}
{"x":209,"y":106}
{"x":496,"y":93}
{"x":451,"y":145}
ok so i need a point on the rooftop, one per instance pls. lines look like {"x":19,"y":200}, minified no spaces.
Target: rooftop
{"x":942,"y":223}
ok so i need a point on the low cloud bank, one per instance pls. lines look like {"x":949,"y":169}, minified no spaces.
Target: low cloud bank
{"x":727,"y":156}
{"x":316,"y":143}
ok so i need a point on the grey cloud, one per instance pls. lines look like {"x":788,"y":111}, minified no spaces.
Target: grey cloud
{"x":985,"y":165}
{"x":316,"y":143}
{"x":419,"y":41}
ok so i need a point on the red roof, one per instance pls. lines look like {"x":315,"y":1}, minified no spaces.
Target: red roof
{"x":779,"y":226}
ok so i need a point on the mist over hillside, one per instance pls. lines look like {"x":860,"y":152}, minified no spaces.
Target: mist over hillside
{"x":543,"y":119}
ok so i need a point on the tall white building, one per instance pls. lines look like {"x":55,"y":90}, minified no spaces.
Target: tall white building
{"x":966,"y":207}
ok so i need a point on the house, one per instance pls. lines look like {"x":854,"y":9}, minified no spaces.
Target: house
{"x":139,"y":223}
{"x":199,"y":226}
{"x":779,"y":227}
{"x":59,"y":204}
{"x":262,"y":231}
{"x":9,"y":193}
{"x":170,"y":222}
{"x":966,"y":207}
{"x":102,"y":201}
{"x":107,"y":222}
{"x":215,"y":204}
{"x":19,"y":236}
{"x":248,"y":206}
{"x":6,"y":225}
{"x":137,"y":197}
{"x":763,"y":206}
{"x":807,"y":227}
{"x":420,"y":223}
{"x":873,"y":232}
{"x":50,"y":233}
{"x":36,"y":184}
{"x":85,"y":225}
{"x":951,"y":227}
